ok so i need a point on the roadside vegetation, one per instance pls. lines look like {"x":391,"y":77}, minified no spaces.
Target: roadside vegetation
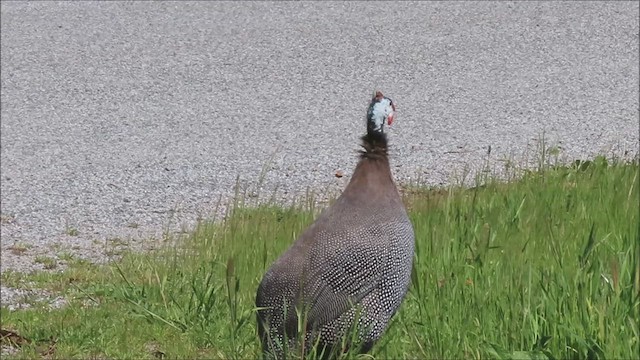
{"x":546,"y":266}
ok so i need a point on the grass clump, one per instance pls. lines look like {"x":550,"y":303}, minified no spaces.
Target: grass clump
{"x":19,"y":248}
{"x":47,"y":262}
{"x":544,"y":267}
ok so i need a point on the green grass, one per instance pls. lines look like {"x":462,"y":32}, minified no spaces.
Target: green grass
{"x":48,"y":262}
{"x":547,"y":266}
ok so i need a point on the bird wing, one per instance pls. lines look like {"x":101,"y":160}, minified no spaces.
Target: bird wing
{"x":345,"y":266}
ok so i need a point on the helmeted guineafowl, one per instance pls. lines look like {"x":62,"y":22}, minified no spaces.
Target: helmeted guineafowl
{"x":353,"y":262}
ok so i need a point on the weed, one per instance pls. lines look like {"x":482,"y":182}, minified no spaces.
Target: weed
{"x":65,"y":256}
{"x":117,"y":242}
{"x":7,"y":219}
{"x":49,"y":263}
{"x":19,"y":248}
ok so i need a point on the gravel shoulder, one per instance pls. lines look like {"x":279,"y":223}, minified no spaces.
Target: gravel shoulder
{"x":125,"y":122}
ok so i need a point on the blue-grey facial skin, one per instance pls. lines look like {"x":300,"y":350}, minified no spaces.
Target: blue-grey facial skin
{"x":379,"y":112}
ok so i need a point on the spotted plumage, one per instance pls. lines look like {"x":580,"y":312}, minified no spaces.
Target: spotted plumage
{"x":353,"y":262}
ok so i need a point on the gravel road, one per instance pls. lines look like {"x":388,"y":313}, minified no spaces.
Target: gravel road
{"x":122,"y":121}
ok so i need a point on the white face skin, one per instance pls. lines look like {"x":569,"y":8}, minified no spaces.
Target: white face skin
{"x":382,"y":110}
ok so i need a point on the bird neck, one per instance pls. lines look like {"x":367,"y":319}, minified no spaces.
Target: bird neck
{"x":373,"y":172}
{"x":375,"y":146}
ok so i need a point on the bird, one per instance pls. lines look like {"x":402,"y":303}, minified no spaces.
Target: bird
{"x":349,"y":271}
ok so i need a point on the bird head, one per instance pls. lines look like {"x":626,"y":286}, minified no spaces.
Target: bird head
{"x":381,"y":110}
